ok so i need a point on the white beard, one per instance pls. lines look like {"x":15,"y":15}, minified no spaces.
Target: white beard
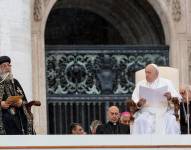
{"x":7,"y":76}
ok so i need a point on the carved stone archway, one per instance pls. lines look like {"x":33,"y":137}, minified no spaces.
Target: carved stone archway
{"x":41,"y":11}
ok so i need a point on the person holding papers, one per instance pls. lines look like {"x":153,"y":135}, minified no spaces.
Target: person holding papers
{"x":14,"y":118}
{"x":155,"y":115}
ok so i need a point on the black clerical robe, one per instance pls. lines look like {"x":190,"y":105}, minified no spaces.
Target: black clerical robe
{"x":183,"y":122}
{"x":14,"y":120}
{"x":111,"y":128}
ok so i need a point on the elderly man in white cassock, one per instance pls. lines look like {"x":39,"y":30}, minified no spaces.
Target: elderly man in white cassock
{"x":157,"y":117}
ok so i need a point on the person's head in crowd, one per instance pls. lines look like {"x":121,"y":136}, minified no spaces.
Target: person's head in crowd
{"x":113,"y":114}
{"x":5,"y":68}
{"x":94,"y":126}
{"x":76,"y":128}
{"x":125,"y":118}
{"x":185,"y":92}
{"x":131,"y":106}
{"x":151,"y":72}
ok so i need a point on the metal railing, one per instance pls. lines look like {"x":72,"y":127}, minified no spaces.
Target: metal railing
{"x":83,"y":81}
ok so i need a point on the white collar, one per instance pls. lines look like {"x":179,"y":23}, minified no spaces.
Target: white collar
{"x":153,"y":84}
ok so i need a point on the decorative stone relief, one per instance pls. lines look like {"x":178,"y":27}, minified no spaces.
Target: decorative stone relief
{"x":37,"y":10}
{"x":168,"y":2}
{"x":46,"y":1}
{"x":176,"y":10}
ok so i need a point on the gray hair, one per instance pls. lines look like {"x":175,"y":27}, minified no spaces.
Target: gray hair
{"x":156,"y":67}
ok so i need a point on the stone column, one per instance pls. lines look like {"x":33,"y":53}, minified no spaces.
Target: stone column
{"x":180,"y":59}
{"x":39,"y":85}
{"x":38,"y":67}
{"x":15,"y":39}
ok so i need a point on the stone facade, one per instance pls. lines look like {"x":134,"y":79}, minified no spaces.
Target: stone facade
{"x":26,"y":45}
{"x":15,"y":39}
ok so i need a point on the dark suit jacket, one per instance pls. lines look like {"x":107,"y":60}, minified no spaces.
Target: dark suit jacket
{"x":183,"y":123}
{"x":110,"y":128}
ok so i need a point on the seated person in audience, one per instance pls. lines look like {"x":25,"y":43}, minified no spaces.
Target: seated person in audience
{"x":186,"y":98}
{"x":113,"y":126}
{"x":155,"y":117}
{"x":76,"y":128}
{"x":94,"y":126}
{"x":125,"y":118}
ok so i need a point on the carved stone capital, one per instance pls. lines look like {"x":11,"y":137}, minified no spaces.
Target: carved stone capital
{"x":176,"y":10}
{"x":168,"y":3}
{"x":46,"y":1}
{"x":37,"y":10}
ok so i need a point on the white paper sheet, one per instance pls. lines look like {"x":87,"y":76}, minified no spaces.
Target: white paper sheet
{"x":153,"y":95}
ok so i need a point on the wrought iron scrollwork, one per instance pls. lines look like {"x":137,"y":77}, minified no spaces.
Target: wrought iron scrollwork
{"x":97,"y":73}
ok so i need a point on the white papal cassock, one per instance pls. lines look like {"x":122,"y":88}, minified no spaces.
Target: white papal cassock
{"x":157,"y":117}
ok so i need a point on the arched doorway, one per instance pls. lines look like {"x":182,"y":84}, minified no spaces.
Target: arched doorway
{"x":38,"y":32}
{"x":76,"y":26}
{"x":136,"y":22}
{"x":131,"y":33}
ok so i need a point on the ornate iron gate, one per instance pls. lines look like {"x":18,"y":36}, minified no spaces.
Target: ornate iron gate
{"x":83,"y":81}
